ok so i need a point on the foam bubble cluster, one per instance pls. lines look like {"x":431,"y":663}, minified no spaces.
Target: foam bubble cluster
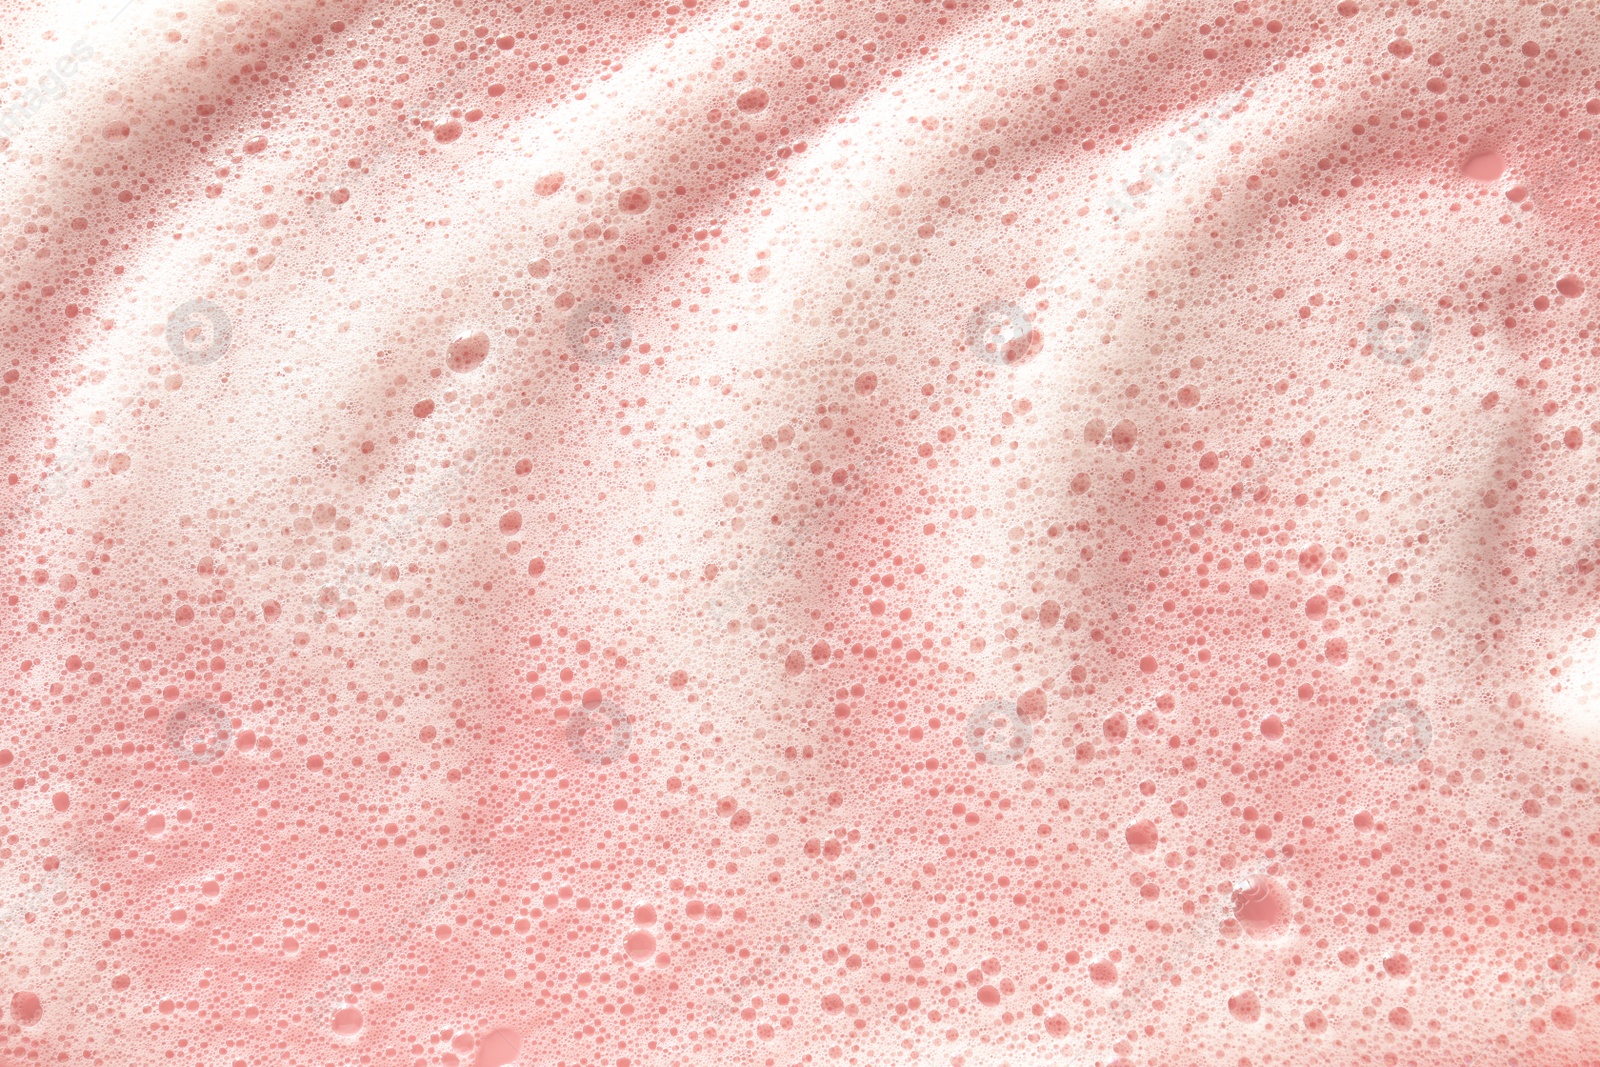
{"x":770,"y":534}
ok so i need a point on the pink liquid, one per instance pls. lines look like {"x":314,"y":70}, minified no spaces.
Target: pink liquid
{"x":787,"y":534}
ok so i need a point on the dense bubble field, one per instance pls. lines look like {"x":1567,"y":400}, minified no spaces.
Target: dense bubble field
{"x":965,"y":533}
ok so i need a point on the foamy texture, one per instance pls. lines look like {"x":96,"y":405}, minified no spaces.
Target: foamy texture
{"x":779,"y":534}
